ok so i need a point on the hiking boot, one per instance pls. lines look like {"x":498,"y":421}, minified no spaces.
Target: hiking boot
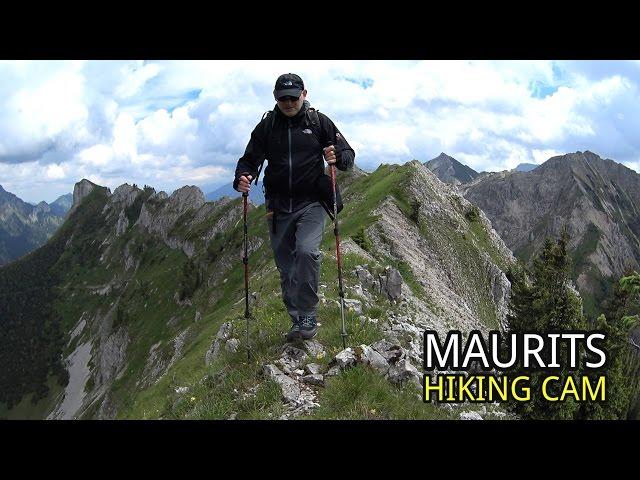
{"x":294,"y":332}
{"x":308,"y":326}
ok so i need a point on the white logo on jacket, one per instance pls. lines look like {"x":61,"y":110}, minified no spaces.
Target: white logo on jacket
{"x":307,"y":131}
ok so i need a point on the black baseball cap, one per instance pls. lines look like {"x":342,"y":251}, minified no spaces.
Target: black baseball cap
{"x":288,"y":85}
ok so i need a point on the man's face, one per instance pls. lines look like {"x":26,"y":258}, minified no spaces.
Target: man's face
{"x":291,"y":106}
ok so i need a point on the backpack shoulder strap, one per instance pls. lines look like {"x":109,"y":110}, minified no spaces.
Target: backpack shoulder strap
{"x":316,"y":126}
{"x":268,"y":127}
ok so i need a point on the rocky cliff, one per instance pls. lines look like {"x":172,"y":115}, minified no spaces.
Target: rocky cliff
{"x":595,"y":199}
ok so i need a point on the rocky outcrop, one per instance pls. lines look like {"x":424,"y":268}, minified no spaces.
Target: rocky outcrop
{"x":159,"y":214}
{"x":224,"y":334}
{"x":389,"y":359}
{"x":454,"y":261}
{"x":81,"y":190}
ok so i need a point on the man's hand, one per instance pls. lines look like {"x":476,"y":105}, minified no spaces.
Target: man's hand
{"x":330,"y":154}
{"x":244,"y":185}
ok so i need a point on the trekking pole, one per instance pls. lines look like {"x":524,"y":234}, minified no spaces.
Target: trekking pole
{"x":245,"y":260}
{"x":332,"y":172}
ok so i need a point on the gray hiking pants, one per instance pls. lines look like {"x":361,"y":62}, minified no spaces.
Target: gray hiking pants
{"x":296,"y":249}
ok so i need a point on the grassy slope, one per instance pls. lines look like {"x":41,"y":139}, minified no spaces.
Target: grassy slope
{"x":215,"y":391}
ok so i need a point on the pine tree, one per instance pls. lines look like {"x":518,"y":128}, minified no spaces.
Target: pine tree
{"x":548,"y":303}
{"x":623,"y":368}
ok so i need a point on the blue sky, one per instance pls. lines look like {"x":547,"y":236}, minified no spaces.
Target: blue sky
{"x":174,"y":123}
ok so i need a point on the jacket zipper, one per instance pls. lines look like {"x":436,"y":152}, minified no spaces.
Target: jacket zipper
{"x":290,"y":172}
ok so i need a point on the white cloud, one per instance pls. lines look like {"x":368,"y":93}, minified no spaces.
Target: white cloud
{"x":135,"y":77}
{"x":166,"y":122}
{"x":55,"y":171}
{"x":96,"y":156}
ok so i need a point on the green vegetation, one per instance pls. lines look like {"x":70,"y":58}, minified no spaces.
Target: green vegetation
{"x":546,"y":304}
{"x":473,"y":214}
{"x":363,"y":240}
{"x":31,"y":330}
{"x":415,"y":211}
{"x":586,"y":247}
{"x":362,"y":393}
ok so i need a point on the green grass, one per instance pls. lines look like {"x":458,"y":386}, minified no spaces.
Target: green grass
{"x":369,"y":192}
{"x":588,"y":244}
{"x":361,"y":393}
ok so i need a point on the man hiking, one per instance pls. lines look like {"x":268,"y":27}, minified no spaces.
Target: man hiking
{"x":294,"y":138}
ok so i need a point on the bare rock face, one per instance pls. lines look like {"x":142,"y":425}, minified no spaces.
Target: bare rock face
{"x":313,"y":368}
{"x":365,"y":277}
{"x":81,"y":190}
{"x":391,"y":283}
{"x":224,"y":334}
{"x":122,"y":224}
{"x":389,"y":359}
{"x":291,"y":358}
{"x":314,"y":379}
{"x":290,"y":389}
{"x":449,"y":170}
{"x":370,"y":356}
{"x":470,"y":416}
{"x":346,"y":358}
{"x":186,"y":198}
{"x":159,"y":215}
{"x":597,"y":200}
{"x":124,"y":195}
{"x":446,"y":255}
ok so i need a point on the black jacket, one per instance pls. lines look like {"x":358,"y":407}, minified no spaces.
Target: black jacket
{"x":294,"y":155}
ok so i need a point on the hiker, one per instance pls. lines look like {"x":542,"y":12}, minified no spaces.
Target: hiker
{"x":294,"y":138}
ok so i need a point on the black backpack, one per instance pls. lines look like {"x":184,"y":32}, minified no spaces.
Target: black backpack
{"x":323,"y":185}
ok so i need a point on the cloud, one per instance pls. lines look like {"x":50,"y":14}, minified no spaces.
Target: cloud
{"x":169,"y":123}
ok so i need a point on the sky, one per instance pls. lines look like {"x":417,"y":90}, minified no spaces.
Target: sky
{"x":173,"y":123}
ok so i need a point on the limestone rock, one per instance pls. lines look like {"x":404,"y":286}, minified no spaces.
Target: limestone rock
{"x":313,"y":368}
{"x":290,"y":389}
{"x":314,"y":379}
{"x":470,"y":416}
{"x":232,"y":345}
{"x":345,"y":359}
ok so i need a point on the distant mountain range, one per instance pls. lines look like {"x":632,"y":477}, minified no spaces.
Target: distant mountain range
{"x":255,"y":194}
{"x":24,"y":227}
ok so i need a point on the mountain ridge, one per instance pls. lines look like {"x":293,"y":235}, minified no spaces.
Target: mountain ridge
{"x":151,"y":286}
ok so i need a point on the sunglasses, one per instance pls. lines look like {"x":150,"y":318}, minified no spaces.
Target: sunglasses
{"x":288,"y":97}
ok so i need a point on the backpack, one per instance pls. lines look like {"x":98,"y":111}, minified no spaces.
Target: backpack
{"x":324,"y":186}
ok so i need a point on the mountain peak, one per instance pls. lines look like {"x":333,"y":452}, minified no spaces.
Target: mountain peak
{"x":81,"y":189}
{"x":449,"y":170}
{"x":525,"y":167}
{"x":187,"y":197}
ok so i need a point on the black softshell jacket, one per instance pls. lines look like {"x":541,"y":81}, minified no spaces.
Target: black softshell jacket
{"x":294,"y":157}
